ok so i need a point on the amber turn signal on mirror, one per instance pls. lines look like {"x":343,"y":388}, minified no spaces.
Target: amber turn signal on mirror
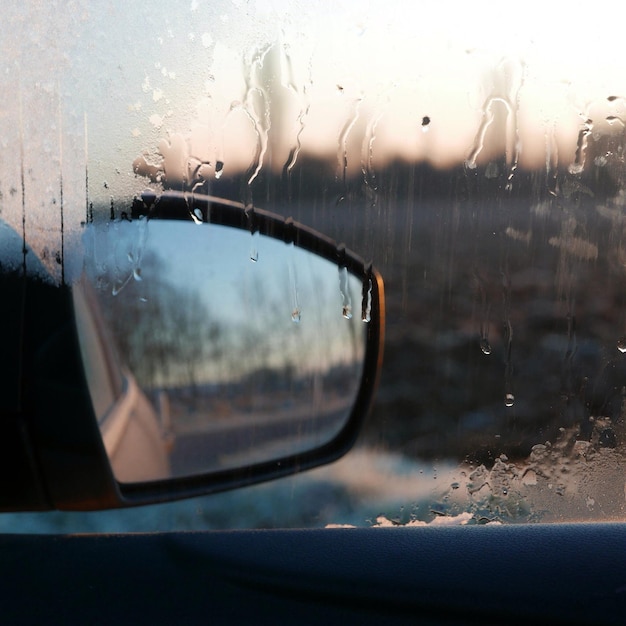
{"x":213,"y":346}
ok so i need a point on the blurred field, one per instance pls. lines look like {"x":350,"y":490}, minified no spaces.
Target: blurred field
{"x":489,"y":293}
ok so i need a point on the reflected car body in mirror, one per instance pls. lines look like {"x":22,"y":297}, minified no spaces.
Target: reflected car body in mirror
{"x":133,"y":438}
{"x":222,"y":345}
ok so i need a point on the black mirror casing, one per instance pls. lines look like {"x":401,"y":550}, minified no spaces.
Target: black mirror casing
{"x":55,"y":436}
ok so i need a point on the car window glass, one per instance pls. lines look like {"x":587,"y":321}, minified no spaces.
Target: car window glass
{"x":475,"y":156}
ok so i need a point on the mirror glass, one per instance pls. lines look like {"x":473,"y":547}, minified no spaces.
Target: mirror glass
{"x":209,"y":348}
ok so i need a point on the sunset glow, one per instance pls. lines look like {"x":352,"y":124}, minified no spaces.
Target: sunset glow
{"x":108,"y":97}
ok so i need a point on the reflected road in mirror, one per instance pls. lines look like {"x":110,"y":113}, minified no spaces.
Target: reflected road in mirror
{"x":233,"y":348}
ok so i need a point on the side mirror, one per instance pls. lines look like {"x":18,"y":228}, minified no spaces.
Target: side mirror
{"x":221,"y":346}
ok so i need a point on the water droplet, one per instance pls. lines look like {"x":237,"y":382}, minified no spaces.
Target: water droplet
{"x":366,"y":307}
{"x":296,"y":312}
{"x":254,"y":247}
{"x":219,"y":169}
{"x":346,"y":308}
{"x":509,"y":99}
{"x":344,"y":136}
{"x":137,"y":274}
{"x":509,"y":400}
{"x":621,"y":344}
{"x":485,"y":346}
{"x":256,"y":105}
{"x":578,"y":166}
{"x":119,"y":286}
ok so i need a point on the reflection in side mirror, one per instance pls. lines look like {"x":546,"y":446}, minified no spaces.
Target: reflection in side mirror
{"x":233,"y":349}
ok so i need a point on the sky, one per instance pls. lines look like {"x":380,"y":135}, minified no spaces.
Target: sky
{"x":361,"y":78}
{"x":290,"y":301}
{"x":94,"y":93}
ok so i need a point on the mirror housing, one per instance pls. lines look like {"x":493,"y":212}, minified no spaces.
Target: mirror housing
{"x":64,"y":446}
